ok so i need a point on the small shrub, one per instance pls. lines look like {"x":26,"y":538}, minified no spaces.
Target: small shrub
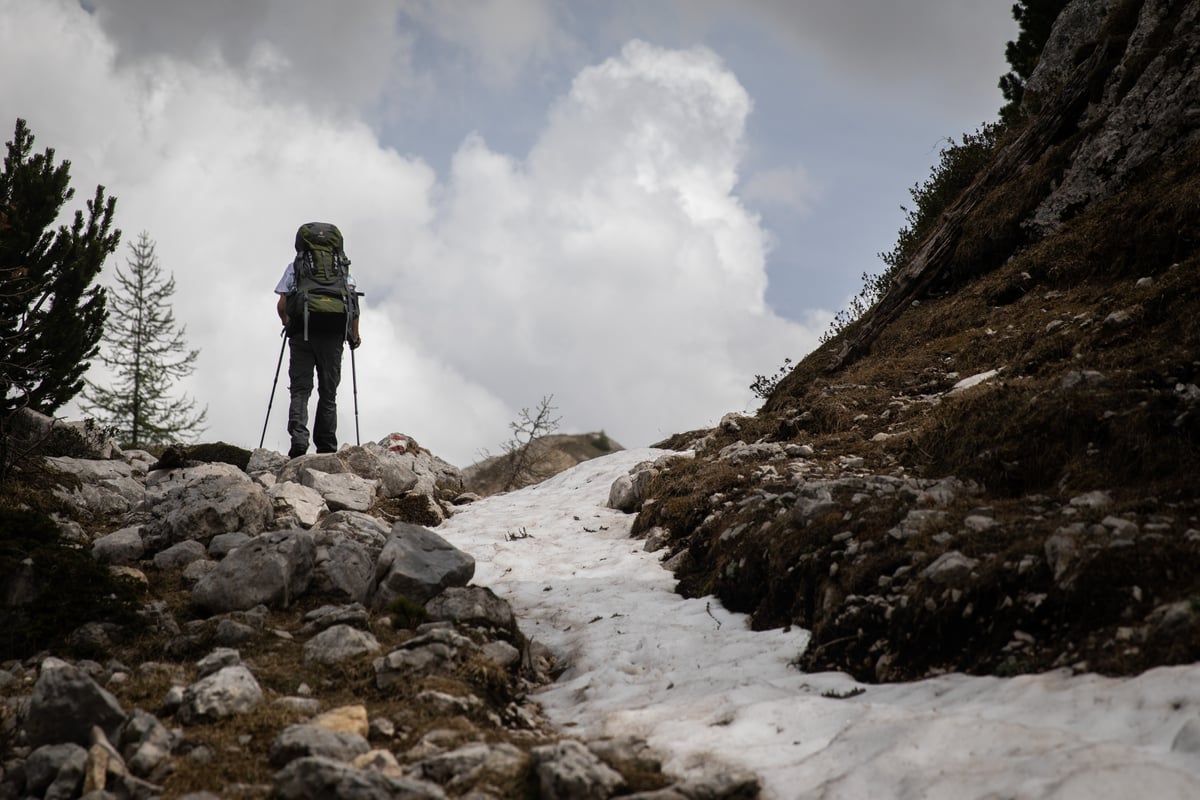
{"x":51,"y":588}
{"x":957,"y":167}
{"x":764,"y":385}
{"x":407,"y":614}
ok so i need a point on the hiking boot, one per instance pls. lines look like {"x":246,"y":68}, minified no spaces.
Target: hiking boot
{"x":296,"y":452}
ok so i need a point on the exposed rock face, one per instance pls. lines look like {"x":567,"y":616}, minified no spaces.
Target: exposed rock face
{"x":1114,"y":95}
{"x":1146,"y":109}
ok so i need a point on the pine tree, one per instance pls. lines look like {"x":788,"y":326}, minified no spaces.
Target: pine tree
{"x":51,"y":316}
{"x":1035,"y":19}
{"x":146,"y":353}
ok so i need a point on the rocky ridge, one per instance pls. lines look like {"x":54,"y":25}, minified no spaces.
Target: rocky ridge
{"x":297,"y":636}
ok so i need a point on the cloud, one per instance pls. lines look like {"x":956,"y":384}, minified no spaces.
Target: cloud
{"x":894,"y":47}
{"x":315,"y":52}
{"x":501,"y":37}
{"x":789,"y":188}
{"x":612,"y":265}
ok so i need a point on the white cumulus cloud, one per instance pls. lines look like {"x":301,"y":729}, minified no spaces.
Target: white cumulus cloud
{"x":612,"y":265}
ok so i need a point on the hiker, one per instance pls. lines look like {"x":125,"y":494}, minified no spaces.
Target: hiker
{"x":318,"y":306}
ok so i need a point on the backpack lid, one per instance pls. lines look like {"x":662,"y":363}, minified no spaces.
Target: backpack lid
{"x":318,"y":236}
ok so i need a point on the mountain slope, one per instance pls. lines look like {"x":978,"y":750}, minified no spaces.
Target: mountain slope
{"x":1046,"y":514}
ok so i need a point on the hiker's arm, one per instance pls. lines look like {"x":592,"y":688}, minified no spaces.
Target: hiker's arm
{"x":281,"y":309}
{"x":355,"y":339}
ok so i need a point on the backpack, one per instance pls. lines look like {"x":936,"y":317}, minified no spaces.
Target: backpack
{"x":321,"y":272}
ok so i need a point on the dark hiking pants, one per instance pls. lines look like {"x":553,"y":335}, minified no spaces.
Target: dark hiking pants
{"x":322,"y":354}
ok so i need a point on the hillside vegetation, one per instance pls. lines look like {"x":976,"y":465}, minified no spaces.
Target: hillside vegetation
{"x":1044,"y":514}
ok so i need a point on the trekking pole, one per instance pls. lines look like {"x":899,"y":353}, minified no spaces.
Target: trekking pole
{"x":354,"y":371}
{"x":354,"y":383}
{"x":274,"y":383}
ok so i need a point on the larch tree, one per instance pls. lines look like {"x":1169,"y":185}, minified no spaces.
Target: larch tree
{"x":51,"y":314}
{"x":146,"y":353}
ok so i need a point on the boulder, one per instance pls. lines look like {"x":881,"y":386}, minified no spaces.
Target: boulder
{"x":119,"y":547}
{"x":339,"y":643}
{"x":341,"y":491}
{"x":472,"y":605}
{"x":300,"y":741}
{"x":66,"y":703}
{"x":104,"y":486}
{"x":371,"y":461}
{"x":272,"y":569}
{"x":228,"y":691}
{"x":344,"y":569}
{"x":300,"y":503}
{"x":417,"y":564}
{"x":49,"y":762}
{"x":201,"y":502}
{"x":264,"y":460}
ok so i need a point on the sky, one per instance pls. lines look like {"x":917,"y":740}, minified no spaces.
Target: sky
{"x":630,"y":207}
{"x":692,"y":680}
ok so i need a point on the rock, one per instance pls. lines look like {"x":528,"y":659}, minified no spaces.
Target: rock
{"x":951,"y":569}
{"x":343,"y":491}
{"x":381,"y":761}
{"x":501,"y":653}
{"x":460,"y":767}
{"x":223,"y":544}
{"x":320,"y":462}
{"x":1096,"y":499}
{"x":66,"y":703}
{"x":395,"y":477}
{"x":337,"y":644}
{"x":273,"y":569}
{"x":47,"y":762}
{"x":569,"y":771}
{"x":300,"y":741}
{"x":104,"y":486}
{"x":472,"y":605}
{"x":194,"y":572}
{"x":344,"y":569}
{"x":1061,"y":551}
{"x":656,"y":539}
{"x":417,"y":564}
{"x":264,"y":460}
{"x":146,"y":743}
{"x":1078,"y":378}
{"x":348,"y":719}
{"x":201,"y":502}
{"x":436,"y":650}
{"x":119,"y":547}
{"x":313,"y":777}
{"x":324,"y":617}
{"x":217,"y":660}
{"x":297,"y":502}
{"x":180,"y":555}
{"x":228,"y":691}
{"x":355,"y":526}
{"x":621,"y":495}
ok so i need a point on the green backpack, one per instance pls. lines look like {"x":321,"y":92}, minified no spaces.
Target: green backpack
{"x":322,"y":274}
